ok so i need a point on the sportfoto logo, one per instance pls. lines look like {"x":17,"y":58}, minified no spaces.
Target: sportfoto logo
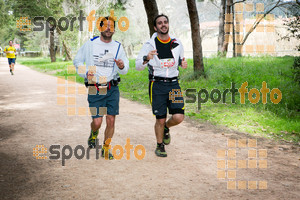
{"x":68,"y":91}
{"x":66,"y":152}
{"x":216,"y":95}
{"x":242,"y":155}
{"x":64,"y":23}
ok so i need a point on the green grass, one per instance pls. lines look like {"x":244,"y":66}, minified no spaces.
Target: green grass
{"x":278,"y":121}
{"x":58,"y":68}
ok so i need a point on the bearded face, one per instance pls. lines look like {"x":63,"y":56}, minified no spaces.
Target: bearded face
{"x":162,"y":25}
{"x":108,"y":33}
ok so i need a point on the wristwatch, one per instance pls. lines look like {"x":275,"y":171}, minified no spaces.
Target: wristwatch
{"x":145,"y":59}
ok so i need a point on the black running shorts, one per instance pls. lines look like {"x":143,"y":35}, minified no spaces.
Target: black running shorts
{"x":165,"y":95}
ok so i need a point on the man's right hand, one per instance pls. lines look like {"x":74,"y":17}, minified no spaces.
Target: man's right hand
{"x":151,"y":54}
{"x":90,"y":76}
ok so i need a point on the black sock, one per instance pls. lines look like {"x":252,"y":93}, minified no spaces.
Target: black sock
{"x":159,"y":144}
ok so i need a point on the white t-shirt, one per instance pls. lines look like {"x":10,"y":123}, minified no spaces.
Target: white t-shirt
{"x":100,"y":54}
{"x":103,"y":55}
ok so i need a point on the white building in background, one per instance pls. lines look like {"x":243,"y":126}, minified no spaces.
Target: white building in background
{"x":264,"y":40}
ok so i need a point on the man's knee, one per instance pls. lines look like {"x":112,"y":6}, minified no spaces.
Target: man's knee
{"x":110,"y":121}
{"x":178,"y":118}
{"x":161,"y":122}
{"x":97,"y":122}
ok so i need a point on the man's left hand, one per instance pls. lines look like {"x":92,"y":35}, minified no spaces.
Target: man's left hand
{"x":184,"y":63}
{"x":120,"y":63}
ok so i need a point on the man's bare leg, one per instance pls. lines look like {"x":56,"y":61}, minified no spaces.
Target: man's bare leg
{"x":12,"y":67}
{"x":159,"y":132}
{"x":108,"y":134}
{"x":159,"y":129}
{"x":95,"y":126}
{"x":175,"y":120}
{"x":110,"y":127}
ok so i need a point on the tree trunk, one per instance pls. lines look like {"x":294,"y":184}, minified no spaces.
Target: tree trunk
{"x":79,"y":40}
{"x":233,"y":31}
{"x":129,"y":51}
{"x":67,"y":50}
{"x":152,"y":12}
{"x":52,"y":45}
{"x":65,"y":47}
{"x":228,"y":11}
{"x":196,"y":38}
{"x":221,"y":36}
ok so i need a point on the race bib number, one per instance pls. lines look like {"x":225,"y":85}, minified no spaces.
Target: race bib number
{"x":166,"y":63}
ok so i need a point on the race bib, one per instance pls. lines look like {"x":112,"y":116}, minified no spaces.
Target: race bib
{"x":166,"y":63}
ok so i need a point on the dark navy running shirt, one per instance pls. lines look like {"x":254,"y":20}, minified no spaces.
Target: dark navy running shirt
{"x":164,"y":53}
{"x":163,"y":48}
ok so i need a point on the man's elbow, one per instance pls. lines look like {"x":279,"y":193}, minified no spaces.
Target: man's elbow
{"x":124,"y":70}
{"x":77,"y":62}
{"x":139,"y":65}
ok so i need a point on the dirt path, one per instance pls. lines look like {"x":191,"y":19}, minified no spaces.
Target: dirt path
{"x":30,"y":116}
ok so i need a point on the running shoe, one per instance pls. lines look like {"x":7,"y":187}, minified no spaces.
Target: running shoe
{"x":160,"y":150}
{"x":167,"y":136}
{"x":92,"y":139}
{"x":106,"y":153}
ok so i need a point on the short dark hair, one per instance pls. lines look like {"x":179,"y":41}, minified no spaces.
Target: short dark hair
{"x":158,"y":16}
{"x":9,"y":41}
{"x":108,"y":18}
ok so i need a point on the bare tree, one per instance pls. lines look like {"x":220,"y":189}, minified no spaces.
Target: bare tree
{"x":221,"y":37}
{"x":52,"y":50}
{"x":279,"y":3}
{"x":152,"y":12}
{"x":196,"y":38}
{"x":228,"y":11}
{"x":258,"y":21}
{"x":233,"y":28}
{"x":65,"y":46}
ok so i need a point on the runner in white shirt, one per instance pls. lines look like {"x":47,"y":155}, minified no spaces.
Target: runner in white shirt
{"x":163,"y":54}
{"x":109,"y":58}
